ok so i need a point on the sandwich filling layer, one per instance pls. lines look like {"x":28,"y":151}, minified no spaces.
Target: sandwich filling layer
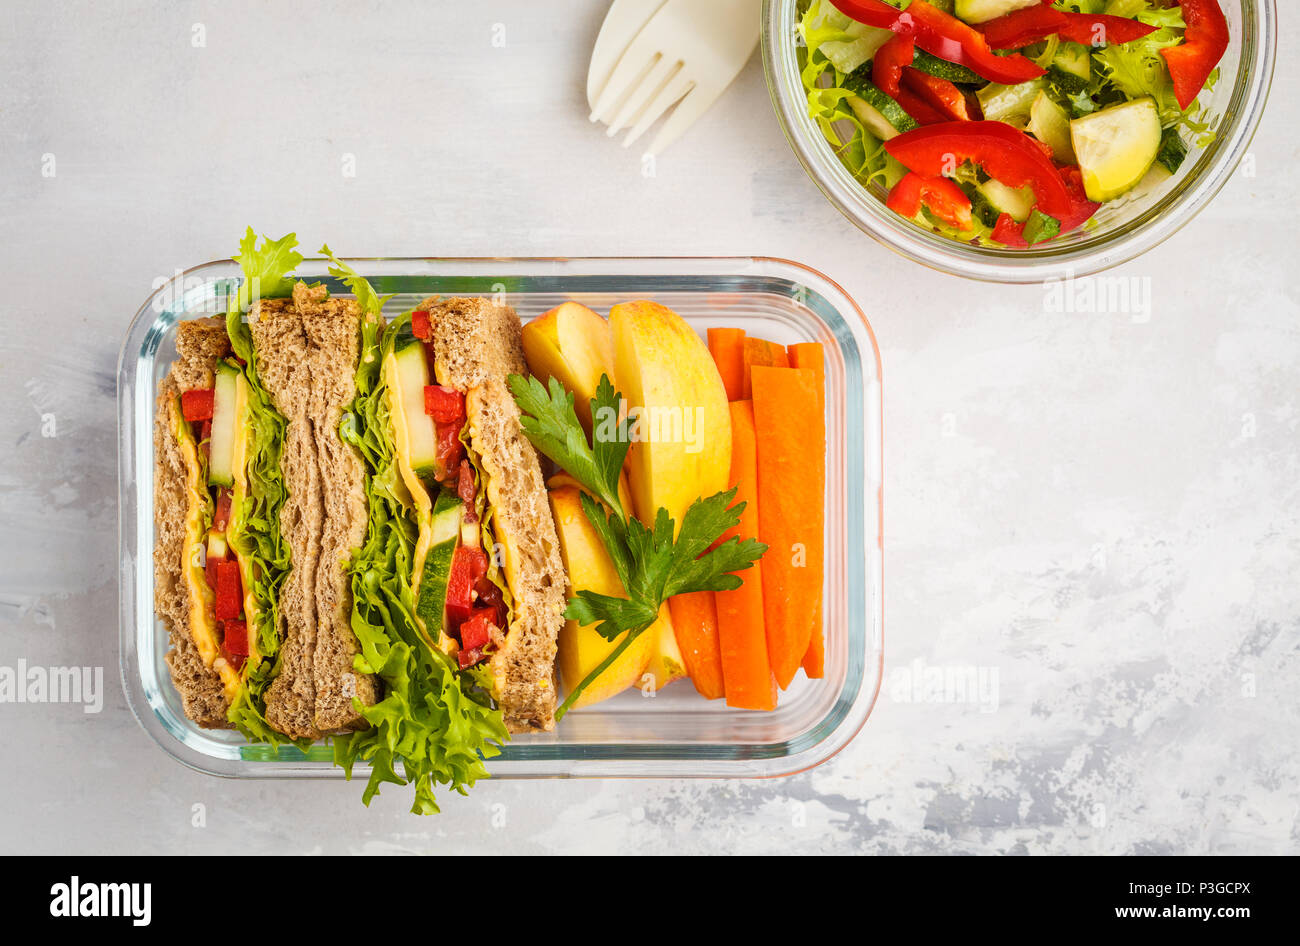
{"x":463,"y":605}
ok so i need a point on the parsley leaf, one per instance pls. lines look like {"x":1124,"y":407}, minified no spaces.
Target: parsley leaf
{"x":654,"y":562}
{"x":551,"y":424}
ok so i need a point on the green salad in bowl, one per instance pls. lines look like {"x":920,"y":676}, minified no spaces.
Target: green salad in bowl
{"x":1009,"y":123}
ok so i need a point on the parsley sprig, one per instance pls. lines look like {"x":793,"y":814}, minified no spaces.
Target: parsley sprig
{"x":651,"y":563}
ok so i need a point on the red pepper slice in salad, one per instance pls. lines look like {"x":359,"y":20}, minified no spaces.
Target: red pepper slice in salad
{"x":1009,"y":233}
{"x":1083,"y":208}
{"x":1004,"y":153}
{"x":944,"y":199}
{"x":1024,"y":27}
{"x":942,"y":95}
{"x":887,"y":73}
{"x":1099,"y":29}
{"x":1204,"y":43}
{"x":942,"y":35}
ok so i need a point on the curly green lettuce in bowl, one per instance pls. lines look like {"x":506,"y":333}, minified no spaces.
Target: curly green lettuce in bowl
{"x":1006,"y":139}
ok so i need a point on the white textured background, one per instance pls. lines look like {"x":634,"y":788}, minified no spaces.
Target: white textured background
{"x":1100,"y":509}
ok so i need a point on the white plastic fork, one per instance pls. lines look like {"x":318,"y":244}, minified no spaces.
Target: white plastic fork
{"x":688,"y":53}
{"x":623,"y":21}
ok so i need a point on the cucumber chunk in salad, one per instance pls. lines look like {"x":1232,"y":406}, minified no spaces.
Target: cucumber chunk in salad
{"x":1116,"y":147}
{"x":981,"y":11}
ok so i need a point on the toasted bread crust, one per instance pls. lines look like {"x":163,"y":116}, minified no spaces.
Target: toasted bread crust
{"x":477,"y":344}
{"x":199,"y":345}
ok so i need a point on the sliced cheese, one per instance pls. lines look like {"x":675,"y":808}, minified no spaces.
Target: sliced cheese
{"x":203,"y":624}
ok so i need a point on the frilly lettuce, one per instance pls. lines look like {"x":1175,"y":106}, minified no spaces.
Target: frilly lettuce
{"x":862,"y":152}
{"x":267,"y":272}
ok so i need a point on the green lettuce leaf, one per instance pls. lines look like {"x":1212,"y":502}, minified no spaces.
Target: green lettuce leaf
{"x":862,"y":152}
{"x":267,"y":270}
{"x":436,"y":724}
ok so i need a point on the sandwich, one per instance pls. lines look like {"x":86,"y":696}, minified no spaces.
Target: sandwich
{"x":258,"y":504}
{"x":353,"y":539}
{"x":486,"y":570}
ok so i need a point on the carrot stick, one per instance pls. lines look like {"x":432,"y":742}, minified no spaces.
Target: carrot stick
{"x":810,"y":355}
{"x":759,"y":352}
{"x":791,"y":442}
{"x":746,"y":672}
{"x":695,"y":622}
{"x":727,"y":345}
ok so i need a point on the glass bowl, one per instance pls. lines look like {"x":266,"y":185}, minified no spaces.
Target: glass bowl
{"x":1124,"y":230}
{"x":677,"y":733}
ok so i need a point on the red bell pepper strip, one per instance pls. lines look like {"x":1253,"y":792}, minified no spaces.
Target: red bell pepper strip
{"x":1009,"y":233}
{"x":476,"y":632}
{"x":942,"y":35}
{"x":941,"y":94}
{"x":197,"y":404}
{"x":221,"y":515}
{"x":1022,"y":27}
{"x":939,"y":195}
{"x":1204,"y":43}
{"x":450,"y":451}
{"x":1098,"y":29}
{"x":210,"y":571}
{"x":235,"y":637}
{"x":445,"y":405}
{"x":468,"y":565}
{"x":1083,"y":208}
{"x":1005,"y":154}
{"x":420,"y":327}
{"x":887,"y":72}
{"x":466,"y":487}
{"x":229,"y":603}
{"x":1025,"y":27}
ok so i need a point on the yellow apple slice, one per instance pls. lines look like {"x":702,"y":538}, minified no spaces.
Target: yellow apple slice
{"x":572,"y":344}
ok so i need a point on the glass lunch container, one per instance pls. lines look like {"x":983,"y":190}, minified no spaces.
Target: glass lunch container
{"x":676,"y":732}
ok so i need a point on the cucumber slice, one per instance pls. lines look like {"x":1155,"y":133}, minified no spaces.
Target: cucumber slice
{"x":225,"y":424}
{"x":1010,"y":103}
{"x":448,"y":512}
{"x":1173,"y":150}
{"x":217,"y":545}
{"x":1016,"y":201}
{"x":1116,"y":147}
{"x":413,"y":376}
{"x":1071,"y":67}
{"x":1050,"y":125}
{"x":879,"y":113}
{"x":943,"y":69}
{"x":981,"y":11}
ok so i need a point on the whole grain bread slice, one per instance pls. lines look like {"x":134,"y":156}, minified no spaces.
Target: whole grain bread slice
{"x":306,"y":351}
{"x":200,"y":344}
{"x":333,"y":329}
{"x":477,"y":345}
